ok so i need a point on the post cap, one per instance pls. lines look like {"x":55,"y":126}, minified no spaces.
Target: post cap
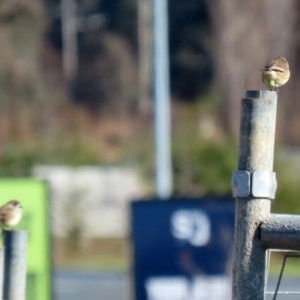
{"x":261,"y":94}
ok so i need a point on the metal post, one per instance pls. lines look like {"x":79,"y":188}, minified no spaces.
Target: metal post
{"x":1,"y":271}
{"x":162,"y":100}
{"x":256,"y":150}
{"x":281,"y":232}
{"x":15,"y":249}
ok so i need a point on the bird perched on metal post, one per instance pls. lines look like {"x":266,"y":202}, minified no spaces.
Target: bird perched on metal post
{"x":276,"y":73}
{"x":10,"y":214}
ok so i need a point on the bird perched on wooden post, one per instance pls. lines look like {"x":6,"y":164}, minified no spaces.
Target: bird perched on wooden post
{"x":10,"y":214}
{"x":276,"y":73}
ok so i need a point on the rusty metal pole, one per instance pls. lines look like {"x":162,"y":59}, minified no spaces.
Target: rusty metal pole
{"x":163,"y":170}
{"x":15,"y":250}
{"x":254,"y":184}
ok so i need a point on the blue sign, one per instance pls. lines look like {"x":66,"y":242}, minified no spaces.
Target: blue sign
{"x":182,"y":249}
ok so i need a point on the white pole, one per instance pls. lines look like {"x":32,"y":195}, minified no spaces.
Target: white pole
{"x":162,"y":101}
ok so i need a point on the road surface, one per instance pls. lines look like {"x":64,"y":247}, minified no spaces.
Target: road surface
{"x":80,"y":285}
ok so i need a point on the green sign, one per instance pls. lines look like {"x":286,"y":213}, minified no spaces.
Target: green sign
{"x":33,"y":195}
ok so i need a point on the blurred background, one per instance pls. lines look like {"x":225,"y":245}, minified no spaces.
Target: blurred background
{"x":77,"y":110}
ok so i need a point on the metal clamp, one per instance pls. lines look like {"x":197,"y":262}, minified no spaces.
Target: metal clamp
{"x":258,"y":184}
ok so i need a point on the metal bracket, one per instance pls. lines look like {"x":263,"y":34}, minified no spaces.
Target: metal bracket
{"x":240,"y":184}
{"x":258,"y":184}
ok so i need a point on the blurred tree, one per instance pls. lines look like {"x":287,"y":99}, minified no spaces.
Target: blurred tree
{"x":248,"y":34}
{"x":290,"y":127}
{"x":107,"y":74}
{"x":21,"y":43}
{"x":215,"y":45}
{"x":145,"y":46}
{"x":190,"y":58}
{"x":191,"y":62}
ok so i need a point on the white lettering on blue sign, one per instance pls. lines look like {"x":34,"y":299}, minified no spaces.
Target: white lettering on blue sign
{"x":180,"y":288}
{"x":192,"y":226}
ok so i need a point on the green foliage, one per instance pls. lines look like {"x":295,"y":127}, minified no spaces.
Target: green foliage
{"x":288,"y":179}
{"x":205,"y":168}
{"x":18,"y":159}
{"x":75,"y":153}
{"x":203,"y":159}
{"x":92,"y":254}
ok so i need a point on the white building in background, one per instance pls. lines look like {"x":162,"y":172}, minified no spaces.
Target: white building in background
{"x":94,"y":200}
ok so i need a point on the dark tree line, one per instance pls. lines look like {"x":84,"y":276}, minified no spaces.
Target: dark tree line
{"x":216,"y":46}
{"x":104,"y":53}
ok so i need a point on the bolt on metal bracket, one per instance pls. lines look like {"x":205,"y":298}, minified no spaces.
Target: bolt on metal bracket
{"x":259,"y":184}
{"x":240,"y":184}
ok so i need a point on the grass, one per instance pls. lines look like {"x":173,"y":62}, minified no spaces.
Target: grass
{"x":119,"y":263}
{"x":105,"y":254}
{"x":291,"y":270}
{"x":99,"y":263}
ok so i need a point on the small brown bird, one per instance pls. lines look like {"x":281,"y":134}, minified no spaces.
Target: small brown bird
{"x":276,"y":73}
{"x":10,"y":214}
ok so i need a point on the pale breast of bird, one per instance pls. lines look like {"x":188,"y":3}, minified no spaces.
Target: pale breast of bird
{"x":270,"y":74}
{"x":12,"y":221}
